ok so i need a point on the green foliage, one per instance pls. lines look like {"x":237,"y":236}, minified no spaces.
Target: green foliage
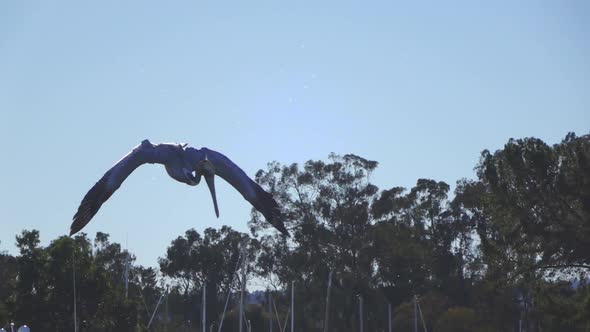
{"x":42,"y":293}
{"x":192,"y":261}
{"x":544,"y":197}
{"x":8,"y":277}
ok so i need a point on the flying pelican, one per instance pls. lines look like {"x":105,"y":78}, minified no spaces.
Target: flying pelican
{"x":180,"y":163}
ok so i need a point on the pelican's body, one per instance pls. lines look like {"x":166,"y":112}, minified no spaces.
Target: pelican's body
{"x":180,"y":163}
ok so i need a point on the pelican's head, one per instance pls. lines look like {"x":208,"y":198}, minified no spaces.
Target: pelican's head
{"x":206,"y":169}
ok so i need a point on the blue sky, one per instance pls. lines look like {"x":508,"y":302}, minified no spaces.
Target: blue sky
{"x":421,"y":87}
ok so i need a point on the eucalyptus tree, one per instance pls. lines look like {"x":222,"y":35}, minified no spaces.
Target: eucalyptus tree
{"x":326,"y":206}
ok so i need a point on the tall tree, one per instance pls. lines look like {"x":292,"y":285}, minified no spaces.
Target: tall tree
{"x":9,"y":277}
{"x":327,"y":207}
{"x":544,"y":192}
{"x":31,"y":287}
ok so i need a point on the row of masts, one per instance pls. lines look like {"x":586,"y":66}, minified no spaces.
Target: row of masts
{"x":242,"y":260}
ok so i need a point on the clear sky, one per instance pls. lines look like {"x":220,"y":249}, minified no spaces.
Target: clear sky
{"x":421,"y":87}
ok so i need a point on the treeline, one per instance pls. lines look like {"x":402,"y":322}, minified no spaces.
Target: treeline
{"x":507,"y":251}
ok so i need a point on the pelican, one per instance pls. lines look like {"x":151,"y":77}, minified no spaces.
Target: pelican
{"x":180,"y":163}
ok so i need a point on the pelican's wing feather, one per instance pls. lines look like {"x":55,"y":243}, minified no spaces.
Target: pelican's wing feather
{"x":111,"y":181}
{"x":252,"y":191}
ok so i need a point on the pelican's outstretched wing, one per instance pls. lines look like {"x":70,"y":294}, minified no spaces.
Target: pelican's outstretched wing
{"x":252,"y":192}
{"x":168,"y":154}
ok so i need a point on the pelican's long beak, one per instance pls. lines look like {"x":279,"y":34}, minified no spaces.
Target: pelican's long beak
{"x":207,"y":169}
{"x":211,"y":184}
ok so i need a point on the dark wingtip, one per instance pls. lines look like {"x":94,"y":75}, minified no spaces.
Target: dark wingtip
{"x":90,"y":204}
{"x":85,"y":212}
{"x":283,"y":230}
{"x":277,"y":222}
{"x":269,"y":208}
{"x":77,"y":225}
